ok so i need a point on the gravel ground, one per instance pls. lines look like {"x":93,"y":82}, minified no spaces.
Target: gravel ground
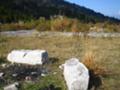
{"x":27,"y":33}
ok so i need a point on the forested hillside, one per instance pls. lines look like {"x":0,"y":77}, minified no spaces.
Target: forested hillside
{"x":24,"y":10}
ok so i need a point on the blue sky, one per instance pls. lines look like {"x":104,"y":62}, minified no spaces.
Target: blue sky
{"x":107,"y":7}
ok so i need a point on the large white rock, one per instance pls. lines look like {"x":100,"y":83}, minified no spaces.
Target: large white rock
{"x":32,"y":57}
{"x":76,"y":74}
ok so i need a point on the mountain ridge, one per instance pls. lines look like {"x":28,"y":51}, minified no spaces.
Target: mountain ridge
{"x":16,"y":10}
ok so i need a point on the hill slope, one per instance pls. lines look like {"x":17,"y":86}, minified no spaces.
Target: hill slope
{"x":15,"y":10}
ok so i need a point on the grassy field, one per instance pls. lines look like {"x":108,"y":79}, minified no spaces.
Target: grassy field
{"x":106,"y":51}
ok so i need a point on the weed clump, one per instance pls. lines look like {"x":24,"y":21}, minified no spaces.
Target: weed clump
{"x":92,"y":64}
{"x":96,"y":71}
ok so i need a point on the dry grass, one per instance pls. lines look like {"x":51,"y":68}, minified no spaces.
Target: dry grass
{"x":106,"y":52}
{"x":89,"y":61}
{"x":60,"y":24}
{"x":17,"y":26}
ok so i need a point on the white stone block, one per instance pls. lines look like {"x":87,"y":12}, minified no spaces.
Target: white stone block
{"x":32,"y":57}
{"x":76,"y":74}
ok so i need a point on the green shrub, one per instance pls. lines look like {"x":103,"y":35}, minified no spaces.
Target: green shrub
{"x":17,"y":26}
{"x":60,"y":24}
{"x":43,"y":25}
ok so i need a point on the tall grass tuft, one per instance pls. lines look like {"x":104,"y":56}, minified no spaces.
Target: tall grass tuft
{"x":92,"y":64}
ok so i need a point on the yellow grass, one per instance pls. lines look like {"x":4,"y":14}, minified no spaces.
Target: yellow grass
{"x":105,"y":54}
{"x":89,"y":61}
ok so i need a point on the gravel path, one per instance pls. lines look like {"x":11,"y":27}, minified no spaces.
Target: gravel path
{"x":27,"y":33}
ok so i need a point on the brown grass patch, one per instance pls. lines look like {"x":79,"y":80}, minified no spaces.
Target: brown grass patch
{"x":92,"y":64}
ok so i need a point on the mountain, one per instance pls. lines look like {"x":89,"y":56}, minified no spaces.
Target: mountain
{"x":117,"y":16}
{"x":16,"y":10}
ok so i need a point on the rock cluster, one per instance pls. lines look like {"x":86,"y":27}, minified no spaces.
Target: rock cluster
{"x":30,"y":66}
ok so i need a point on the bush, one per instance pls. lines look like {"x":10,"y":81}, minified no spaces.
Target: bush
{"x":106,"y":27}
{"x":43,"y":25}
{"x":75,"y":27}
{"x":17,"y":26}
{"x":66,"y":24}
{"x":60,"y":23}
{"x":112,"y":28}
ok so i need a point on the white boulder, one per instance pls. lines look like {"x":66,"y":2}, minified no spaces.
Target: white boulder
{"x":76,"y":74}
{"x":31,"y":57}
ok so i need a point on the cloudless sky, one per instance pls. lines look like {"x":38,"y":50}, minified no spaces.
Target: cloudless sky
{"x":107,"y":7}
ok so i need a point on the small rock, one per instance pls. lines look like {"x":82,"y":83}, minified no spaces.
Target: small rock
{"x":54,"y":73}
{"x":43,"y":75}
{"x":33,"y":73}
{"x":15,"y":75}
{"x":3,"y":65}
{"x":13,"y":86}
{"x":28,"y":78}
{"x":1,"y":74}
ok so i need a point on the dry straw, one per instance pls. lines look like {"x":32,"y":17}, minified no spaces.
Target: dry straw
{"x":91,"y":63}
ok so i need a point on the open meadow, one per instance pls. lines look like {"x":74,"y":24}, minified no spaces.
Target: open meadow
{"x":59,"y":45}
{"x":106,"y":52}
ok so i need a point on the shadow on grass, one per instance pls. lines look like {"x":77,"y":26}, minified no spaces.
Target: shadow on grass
{"x":2,"y":60}
{"x":53,"y":60}
{"x":51,"y":87}
{"x":95,"y":81}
